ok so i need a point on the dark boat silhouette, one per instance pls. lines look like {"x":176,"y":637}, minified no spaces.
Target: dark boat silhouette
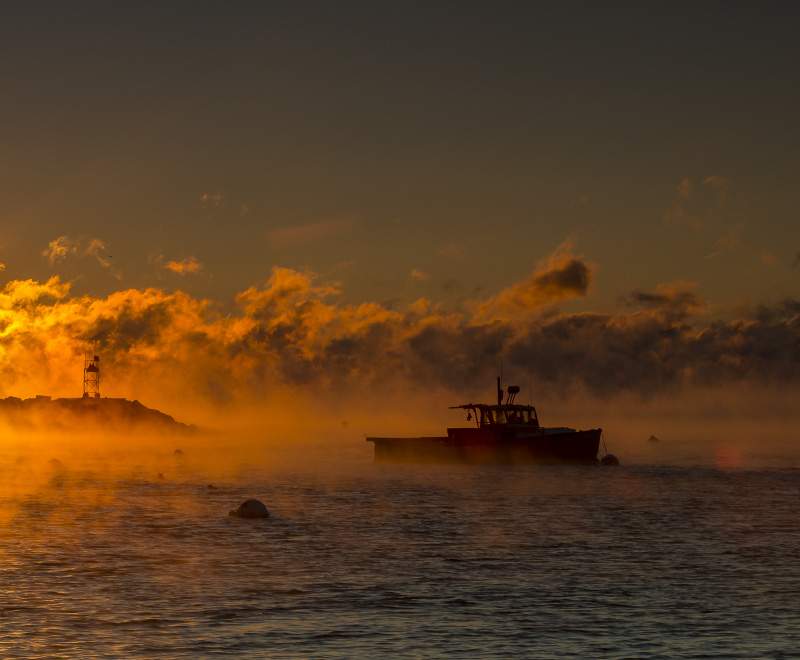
{"x":505,"y":432}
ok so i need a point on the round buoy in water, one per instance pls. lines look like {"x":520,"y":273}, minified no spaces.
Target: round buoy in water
{"x":609,"y":459}
{"x":251,"y":509}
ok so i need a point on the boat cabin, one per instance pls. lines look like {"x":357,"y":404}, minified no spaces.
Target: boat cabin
{"x":512,"y":414}
{"x":503,"y":413}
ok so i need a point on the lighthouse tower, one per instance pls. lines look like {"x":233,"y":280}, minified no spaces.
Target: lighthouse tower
{"x":91,"y":377}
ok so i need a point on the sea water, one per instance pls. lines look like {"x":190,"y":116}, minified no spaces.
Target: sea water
{"x":368,"y":560}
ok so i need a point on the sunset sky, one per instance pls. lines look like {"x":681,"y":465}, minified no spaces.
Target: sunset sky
{"x":417,"y":178}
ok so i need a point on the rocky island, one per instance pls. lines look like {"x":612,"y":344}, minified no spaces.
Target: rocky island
{"x":90,"y":415}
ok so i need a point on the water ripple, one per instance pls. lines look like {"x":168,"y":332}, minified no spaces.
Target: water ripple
{"x":479,"y":562}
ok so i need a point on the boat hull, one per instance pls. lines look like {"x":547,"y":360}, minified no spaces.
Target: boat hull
{"x":489,"y":446}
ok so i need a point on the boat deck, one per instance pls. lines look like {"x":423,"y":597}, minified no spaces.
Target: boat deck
{"x":480,"y":446}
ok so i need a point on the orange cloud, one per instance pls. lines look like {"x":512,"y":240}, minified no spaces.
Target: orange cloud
{"x":189,"y":265}
{"x":418,"y":275}
{"x":559,"y":277}
{"x":97,"y":249}
{"x":170,"y":348}
{"x":62,"y":247}
{"x":27,"y":292}
{"x":59,"y":249}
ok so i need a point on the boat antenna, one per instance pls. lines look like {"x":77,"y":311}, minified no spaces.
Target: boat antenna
{"x":500,"y":385}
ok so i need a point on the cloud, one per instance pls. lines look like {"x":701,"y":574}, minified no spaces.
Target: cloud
{"x":59,"y":249}
{"x":561,"y":276}
{"x":97,"y":249}
{"x":418,"y":275}
{"x":648,"y":353}
{"x":294,"y":330}
{"x":187,"y":266}
{"x":298,"y":234}
{"x":2,"y":266}
{"x":676,"y":300}
{"x":25,"y":293}
{"x":63,"y":247}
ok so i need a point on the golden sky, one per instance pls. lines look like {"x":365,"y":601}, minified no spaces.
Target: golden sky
{"x":604,"y":197}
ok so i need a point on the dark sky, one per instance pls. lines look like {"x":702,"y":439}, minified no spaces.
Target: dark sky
{"x":368,"y":141}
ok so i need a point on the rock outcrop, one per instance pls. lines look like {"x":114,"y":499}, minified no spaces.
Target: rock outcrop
{"x":88,"y":415}
{"x":250,"y":509}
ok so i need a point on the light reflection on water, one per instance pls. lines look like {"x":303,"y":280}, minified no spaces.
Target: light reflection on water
{"x":373,"y":560}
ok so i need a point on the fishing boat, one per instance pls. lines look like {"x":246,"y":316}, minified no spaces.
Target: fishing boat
{"x":505,"y":432}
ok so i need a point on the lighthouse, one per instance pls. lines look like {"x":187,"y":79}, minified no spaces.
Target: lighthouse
{"x":91,"y":377}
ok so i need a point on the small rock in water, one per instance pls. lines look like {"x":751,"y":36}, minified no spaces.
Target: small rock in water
{"x":251,"y":509}
{"x":160,"y":475}
{"x":653,"y":438}
{"x":609,"y":459}
{"x":211,"y":487}
{"x":178,"y":452}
